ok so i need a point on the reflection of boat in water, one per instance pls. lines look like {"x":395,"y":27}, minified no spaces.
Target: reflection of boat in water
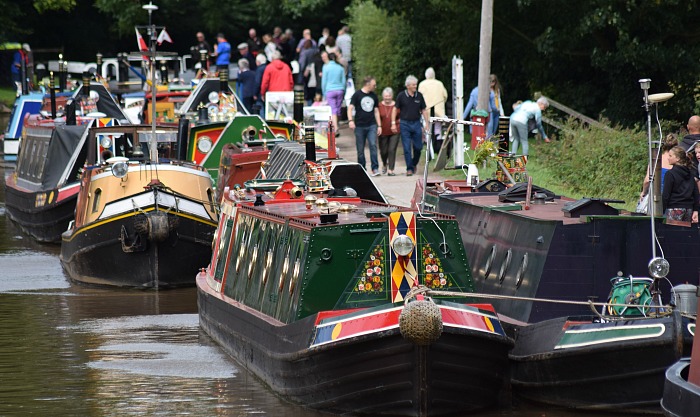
{"x":41,"y":192}
{"x":139,"y":223}
{"x":308,"y":290}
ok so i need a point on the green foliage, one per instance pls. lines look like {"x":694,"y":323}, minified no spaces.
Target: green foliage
{"x":10,"y":26}
{"x":377,"y":49}
{"x":45,"y":5}
{"x":597,"y":163}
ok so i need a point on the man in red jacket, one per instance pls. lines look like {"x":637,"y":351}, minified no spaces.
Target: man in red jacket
{"x":277,"y":76}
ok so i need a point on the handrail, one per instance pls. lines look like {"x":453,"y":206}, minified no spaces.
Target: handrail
{"x":573,"y":113}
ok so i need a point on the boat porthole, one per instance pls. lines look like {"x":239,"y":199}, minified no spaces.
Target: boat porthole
{"x":521,"y":272}
{"x":489,"y":262}
{"x":326,"y":254}
{"x":295,"y":276}
{"x":505,"y":265}
{"x":253,"y":259}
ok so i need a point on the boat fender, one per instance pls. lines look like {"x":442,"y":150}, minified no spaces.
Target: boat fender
{"x":158,"y":229}
{"x":420,"y":321}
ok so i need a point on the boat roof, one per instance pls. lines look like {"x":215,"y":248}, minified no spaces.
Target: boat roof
{"x":349,"y":210}
{"x":550,"y":211}
{"x":200,"y":95}
{"x":106,"y":103}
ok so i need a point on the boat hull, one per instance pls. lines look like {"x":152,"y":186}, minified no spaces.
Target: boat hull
{"x":543,"y":254}
{"x":681,"y":398}
{"x":113,"y":253}
{"x":374,"y":373}
{"x":610,"y":366}
{"x":45,"y":214}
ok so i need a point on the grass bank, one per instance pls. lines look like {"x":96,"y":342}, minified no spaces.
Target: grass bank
{"x":7,"y":96}
{"x":584,"y":162}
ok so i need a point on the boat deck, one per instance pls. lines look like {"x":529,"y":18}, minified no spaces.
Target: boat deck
{"x":349,"y":210}
{"x":550,"y":211}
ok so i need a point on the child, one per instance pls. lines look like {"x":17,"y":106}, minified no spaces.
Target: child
{"x":318,"y":100}
{"x":680,"y":194}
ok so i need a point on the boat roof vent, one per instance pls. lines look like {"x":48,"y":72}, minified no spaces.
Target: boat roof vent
{"x":590,"y":207}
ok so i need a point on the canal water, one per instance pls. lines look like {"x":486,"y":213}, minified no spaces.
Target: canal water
{"x":71,"y":350}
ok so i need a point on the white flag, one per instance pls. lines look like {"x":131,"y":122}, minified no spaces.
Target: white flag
{"x":164,"y":37}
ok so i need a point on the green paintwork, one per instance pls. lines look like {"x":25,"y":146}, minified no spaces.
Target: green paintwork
{"x":288,"y":271}
{"x":250,"y":130}
{"x":573,"y":338}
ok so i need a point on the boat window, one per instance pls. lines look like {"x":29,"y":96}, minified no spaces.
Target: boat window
{"x":96,"y":200}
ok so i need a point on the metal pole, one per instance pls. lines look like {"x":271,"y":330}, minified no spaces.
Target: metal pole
{"x":458,"y":108}
{"x":645,"y":83}
{"x":153,"y":148}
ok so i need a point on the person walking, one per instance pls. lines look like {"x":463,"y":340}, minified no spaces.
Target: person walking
{"x":344,"y":43}
{"x":519,"y":120}
{"x":497,"y":111}
{"x":222,"y":52}
{"x":333,"y":86}
{"x":435,"y":96}
{"x":388,"y":141}
{"x":277,"y":76}
{"x":412,"y":106}
{"x":246,"y":81}
{"x":363,"y":118}
{"x":259,"y":106}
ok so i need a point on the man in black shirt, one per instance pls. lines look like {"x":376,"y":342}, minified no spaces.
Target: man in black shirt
{"x":202,"y":45}
{"x":412,"y":106}
{"x":363,"y":118}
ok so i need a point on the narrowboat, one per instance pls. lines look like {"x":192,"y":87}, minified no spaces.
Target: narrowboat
{"x":217,"y":118}
{"x":335,"y":302}
{"x":143,"y":219}
{"x":682,"y":387}
{"x":25,"y":104}
{"x":598,"y":362}
{"x":41,"y":192}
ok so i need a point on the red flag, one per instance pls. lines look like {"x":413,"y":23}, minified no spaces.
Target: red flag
{"x":164,"y":37}
{"x":142,"y":44}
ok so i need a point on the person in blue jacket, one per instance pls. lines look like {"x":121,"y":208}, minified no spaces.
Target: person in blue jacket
{"x":471,"y":104}
{"x":519,"y":123}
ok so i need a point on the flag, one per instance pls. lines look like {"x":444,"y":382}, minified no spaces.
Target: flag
{"x":164,"y":37}
{"x":142,"y":43}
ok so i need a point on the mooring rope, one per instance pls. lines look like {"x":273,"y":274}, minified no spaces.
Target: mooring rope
{"x":424,"y":290}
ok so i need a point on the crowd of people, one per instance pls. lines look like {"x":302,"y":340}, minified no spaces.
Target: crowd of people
{"x":277,"y":61}
{"x":271,"y":60}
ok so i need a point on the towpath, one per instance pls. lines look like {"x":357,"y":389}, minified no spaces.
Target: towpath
{"x":397,"y":189}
